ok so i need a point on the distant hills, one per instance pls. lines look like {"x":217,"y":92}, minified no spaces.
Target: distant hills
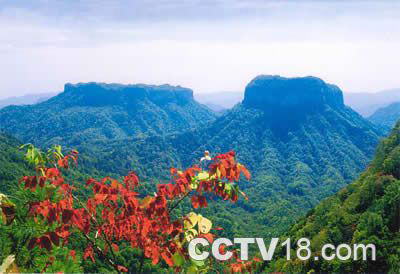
{"x":219,"y":101}
{"x":367,"y":103}
{"x":28,"y":99}
{"x":95,"y":111}
{"x":365,"y":212}
{"x":386,"y":116}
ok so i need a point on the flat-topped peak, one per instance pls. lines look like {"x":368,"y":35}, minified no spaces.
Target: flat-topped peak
{"x":103,"y":93}
{"x":299,"y":93}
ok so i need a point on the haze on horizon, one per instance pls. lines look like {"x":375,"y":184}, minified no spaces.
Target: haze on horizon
{"x":204,"y":45}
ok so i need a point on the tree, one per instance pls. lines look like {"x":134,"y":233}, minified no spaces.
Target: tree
{"x":56,"y":224}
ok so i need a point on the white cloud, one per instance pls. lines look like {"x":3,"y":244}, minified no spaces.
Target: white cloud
{"x":205,"y":45}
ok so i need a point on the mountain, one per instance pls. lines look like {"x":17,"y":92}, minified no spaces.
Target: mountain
{"x":365,"y":212}
{"x":96,"y":111}
{"x":28,"y":99}
{"x":219,"y":101}
{"x":386,"y":116}
{"x":299,"y":140}
{"x":12,"y":165}
{"x":367,"y":103}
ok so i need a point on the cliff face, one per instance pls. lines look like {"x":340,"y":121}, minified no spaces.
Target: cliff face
{"x":306,"y":94}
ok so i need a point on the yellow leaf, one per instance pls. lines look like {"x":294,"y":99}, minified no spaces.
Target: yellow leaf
{"x":191,"y":220}
{"x":204,"y":225}
{"x":191,"y":234}
{"x":146,"y":201}
{"x":203,"y":175}
{"x":9,"y":265}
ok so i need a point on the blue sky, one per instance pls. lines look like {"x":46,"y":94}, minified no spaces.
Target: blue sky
{"x":205,"y":45}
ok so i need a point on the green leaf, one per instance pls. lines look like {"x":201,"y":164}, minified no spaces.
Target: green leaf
{"x":192,"y":269}
{"x":178,"y":259}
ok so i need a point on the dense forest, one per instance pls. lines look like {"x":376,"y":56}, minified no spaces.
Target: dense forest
{"x":366,"y":211}
{"x":12,"y":164}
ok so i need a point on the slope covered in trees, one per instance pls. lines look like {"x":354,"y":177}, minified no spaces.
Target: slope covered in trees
{"x":298,"y":139}
{"x":386,"y":116}
{"x":12,"y":165}
{"x":94,"y":111}
{"x":366,"y":211}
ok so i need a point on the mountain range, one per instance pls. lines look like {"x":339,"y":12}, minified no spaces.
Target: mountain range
{"x":28,"y":99}
{"x":367,"y":103}
{"x":297,"y":137}
{"x":219,"y":101}
{"x":95,"y":111}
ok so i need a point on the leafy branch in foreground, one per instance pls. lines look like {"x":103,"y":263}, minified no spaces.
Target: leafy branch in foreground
{"x":48,"y":216}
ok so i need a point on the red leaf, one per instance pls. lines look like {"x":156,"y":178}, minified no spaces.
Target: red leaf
{"x":45,"y":242}
{"x":115,"y":247}
{"x":54,"y":238}
{"x":88,"y":253}
{"x":209,"y":237}
{"x":195,"y":201}
{"x":202,"y":201}
{"x":246,"y":172}
{"x":72,"y":253}
{"x":67,"y":215}
{"x":122,"y":268}
{"x":167,"y":258}
{"x":52,"y":172}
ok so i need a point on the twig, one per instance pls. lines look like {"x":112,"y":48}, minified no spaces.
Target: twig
{"x":179,"y":201}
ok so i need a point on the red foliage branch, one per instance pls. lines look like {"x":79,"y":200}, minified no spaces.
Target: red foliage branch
{"x":115,"y":213}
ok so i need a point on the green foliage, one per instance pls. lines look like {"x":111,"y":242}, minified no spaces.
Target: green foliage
{"x":366,"y":211}
{"x":12,"y":164}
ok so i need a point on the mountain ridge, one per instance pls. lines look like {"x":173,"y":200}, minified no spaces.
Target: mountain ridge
{"x":100,"y":111}
{"x":386,"y":116}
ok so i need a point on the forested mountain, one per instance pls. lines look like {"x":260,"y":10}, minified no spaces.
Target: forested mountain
{"x":95,"y":111}
{"x":12,"y":165}
{"x":386,"y":116}
{"x":366,"y":211}
{"x":298,"y":139}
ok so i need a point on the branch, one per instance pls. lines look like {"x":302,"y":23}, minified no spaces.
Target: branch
{"x":95,"y":221}
{"x":179,"y":201}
